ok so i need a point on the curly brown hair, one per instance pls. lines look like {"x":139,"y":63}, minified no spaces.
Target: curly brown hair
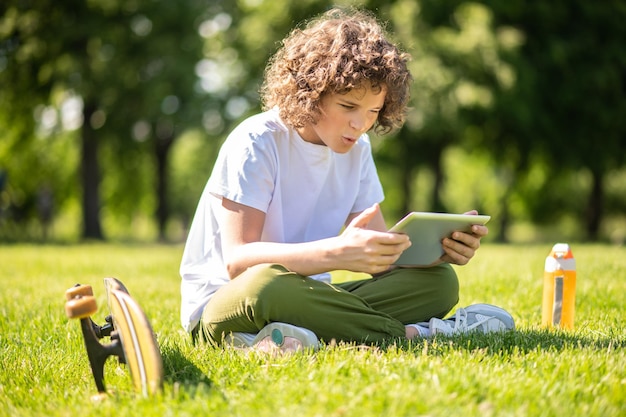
{"x":336,"y":52}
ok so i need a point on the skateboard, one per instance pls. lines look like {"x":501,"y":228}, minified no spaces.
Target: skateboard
{"x":131,"y":338}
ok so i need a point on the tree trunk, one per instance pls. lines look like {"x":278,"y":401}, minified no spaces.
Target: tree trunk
{"x":90,"y":177}
{"x":435,"y":164}
{"x":595,"y":206}
{"x":504,"y":218}
{"x":162,"y":149}
{"x":406,"y":178}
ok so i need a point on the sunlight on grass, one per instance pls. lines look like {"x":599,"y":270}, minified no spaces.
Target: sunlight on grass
{"x":532,"y":371}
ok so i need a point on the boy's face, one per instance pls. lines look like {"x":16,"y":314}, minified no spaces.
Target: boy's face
{"x":345,"y":117}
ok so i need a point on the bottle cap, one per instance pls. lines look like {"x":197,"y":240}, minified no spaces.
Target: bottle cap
{"x":561,"y":250}
{"x":560,"y":259}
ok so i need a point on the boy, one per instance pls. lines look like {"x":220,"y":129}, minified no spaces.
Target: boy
{"x":267,"y":228}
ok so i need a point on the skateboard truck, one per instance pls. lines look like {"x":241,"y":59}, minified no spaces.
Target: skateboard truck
{"x":132,"y":340}
{"x":97,"y":352}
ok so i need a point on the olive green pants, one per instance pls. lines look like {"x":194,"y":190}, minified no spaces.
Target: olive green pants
{"x":366,"y":311}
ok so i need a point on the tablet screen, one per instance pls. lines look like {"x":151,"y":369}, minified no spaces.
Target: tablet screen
{"x":427,"y":230}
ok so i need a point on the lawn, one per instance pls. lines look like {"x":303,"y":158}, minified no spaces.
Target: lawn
{"x":529,"y":372}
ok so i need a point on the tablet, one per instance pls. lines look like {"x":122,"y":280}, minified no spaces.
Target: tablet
{"x":427,"y":230}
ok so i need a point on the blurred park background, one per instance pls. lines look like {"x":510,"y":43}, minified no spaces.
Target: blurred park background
{"x":112,"y":112}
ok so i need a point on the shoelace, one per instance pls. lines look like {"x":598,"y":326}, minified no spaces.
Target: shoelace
{"x":460,"y":321}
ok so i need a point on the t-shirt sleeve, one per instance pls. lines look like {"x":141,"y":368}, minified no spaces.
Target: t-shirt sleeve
{"x":245,"y":171}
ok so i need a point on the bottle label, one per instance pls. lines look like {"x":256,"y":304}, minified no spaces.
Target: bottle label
{"x":557,"y":305}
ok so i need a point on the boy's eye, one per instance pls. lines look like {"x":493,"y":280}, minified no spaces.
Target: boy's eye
{"x":346,"y":106}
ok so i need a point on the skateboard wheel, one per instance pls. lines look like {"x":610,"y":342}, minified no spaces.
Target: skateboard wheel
{"x":81,"y":307}
{"x":78,"y":291}
{"x":99,"y":397}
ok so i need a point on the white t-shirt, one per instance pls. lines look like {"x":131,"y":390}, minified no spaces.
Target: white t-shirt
{"x":307,"y":192}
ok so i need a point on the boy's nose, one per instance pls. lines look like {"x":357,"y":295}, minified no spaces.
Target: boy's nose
{"x":357,"y":123}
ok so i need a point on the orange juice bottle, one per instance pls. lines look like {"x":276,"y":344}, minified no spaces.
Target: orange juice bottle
{"x":559,"y":288}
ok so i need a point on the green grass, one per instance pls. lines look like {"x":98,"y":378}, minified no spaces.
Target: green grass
{"x":530,"y":372}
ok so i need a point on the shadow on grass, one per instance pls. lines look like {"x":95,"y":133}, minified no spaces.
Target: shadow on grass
{"x":558,"y":340}
{"x":178,"y":369}
{"x":519,"y":341}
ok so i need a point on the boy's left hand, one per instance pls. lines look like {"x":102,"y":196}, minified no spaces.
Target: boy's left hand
{"x":462,"y":246}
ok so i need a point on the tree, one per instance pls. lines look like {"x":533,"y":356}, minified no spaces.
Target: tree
{"x":444,"y":67}
{"x":129,"y":64}
{"x":575,"y":68}
{"x":565,"y":107}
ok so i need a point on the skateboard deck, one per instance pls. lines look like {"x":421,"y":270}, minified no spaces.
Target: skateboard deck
{"x":132,"y":339}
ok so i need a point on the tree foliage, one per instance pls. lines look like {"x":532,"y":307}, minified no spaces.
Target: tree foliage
{"x":564,"y":109}
{"x":121,"y":105}
{"x":125,"y":71}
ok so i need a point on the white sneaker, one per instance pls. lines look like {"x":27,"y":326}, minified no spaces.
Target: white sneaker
{"x":484,"y":318}
{"x":239,"y":339}
{"x":275,"y":337}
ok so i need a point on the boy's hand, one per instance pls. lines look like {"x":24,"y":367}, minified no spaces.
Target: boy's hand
{"x":371,"y":251}
{"x":462,"y":246}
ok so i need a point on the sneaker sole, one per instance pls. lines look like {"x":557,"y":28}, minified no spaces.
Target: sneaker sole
{"x":239,"y":340}
{"x":278,"y":331}
{"x":493,"y":311}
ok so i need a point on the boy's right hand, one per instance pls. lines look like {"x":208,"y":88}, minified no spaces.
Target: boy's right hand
{"x":365,"y":250}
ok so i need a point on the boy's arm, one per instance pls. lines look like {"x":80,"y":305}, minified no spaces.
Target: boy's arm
{"x":356,"y":249}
